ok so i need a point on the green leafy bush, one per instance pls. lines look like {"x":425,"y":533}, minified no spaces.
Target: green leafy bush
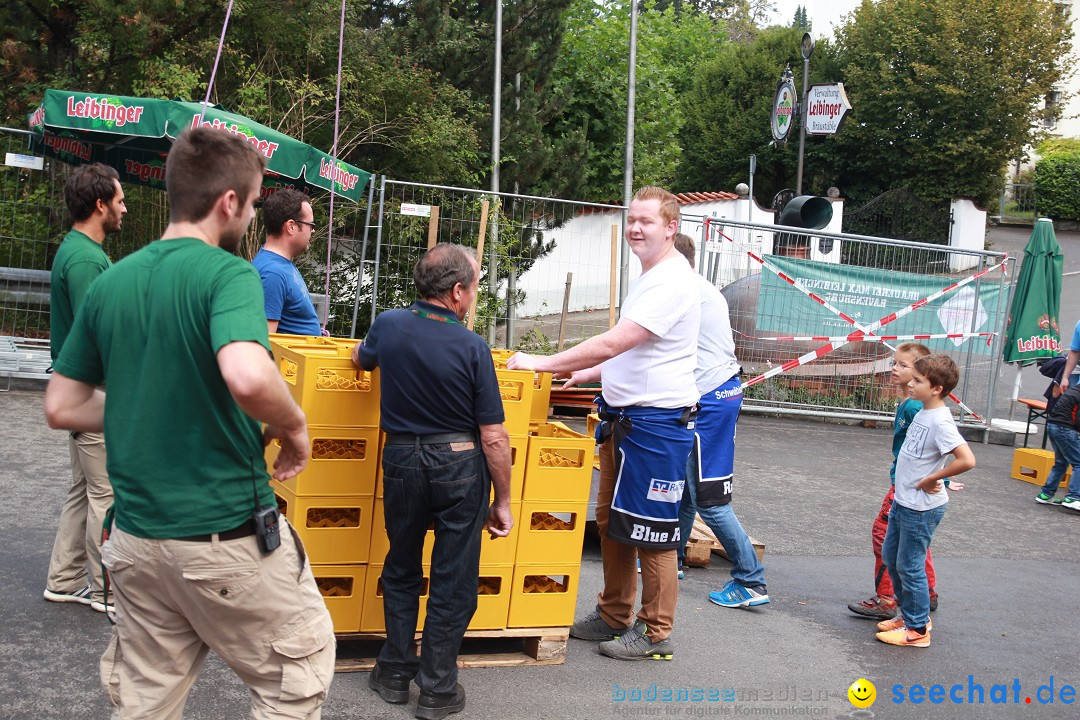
{"x":1057,"y":185}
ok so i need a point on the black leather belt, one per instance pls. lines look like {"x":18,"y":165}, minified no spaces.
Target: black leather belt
{"x":440,"y":438}
{"x":243,"y":531}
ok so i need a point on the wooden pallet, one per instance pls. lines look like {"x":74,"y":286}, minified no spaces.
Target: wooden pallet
{"x":356,"y":652}
{"x":702,"y":543}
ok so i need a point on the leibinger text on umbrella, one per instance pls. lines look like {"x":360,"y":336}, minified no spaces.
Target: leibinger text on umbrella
{"x":104,"y":110}
{"x":71,"y":146}
{"x":266,"y":147}
{"x":338,"y":175}
{"x":145,"y":171}
{"x":1045,"y":342}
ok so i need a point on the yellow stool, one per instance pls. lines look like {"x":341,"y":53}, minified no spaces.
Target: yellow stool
{"x":1033,"y":465}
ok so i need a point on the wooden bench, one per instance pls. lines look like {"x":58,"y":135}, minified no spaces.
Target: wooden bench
{"x":1036,"y":410}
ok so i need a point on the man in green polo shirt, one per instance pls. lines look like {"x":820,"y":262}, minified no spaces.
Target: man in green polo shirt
{"x":177,"y":334}
{"x":95,"y":202}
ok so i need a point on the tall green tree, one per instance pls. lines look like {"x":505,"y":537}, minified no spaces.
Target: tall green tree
{"x":727,"y":116}
{"x":590,"y":89}
{"x":944,"y":92}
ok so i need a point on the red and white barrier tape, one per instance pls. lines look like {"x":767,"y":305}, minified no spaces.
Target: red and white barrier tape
{"x":859,"y":337}
{"x":863,"y":332}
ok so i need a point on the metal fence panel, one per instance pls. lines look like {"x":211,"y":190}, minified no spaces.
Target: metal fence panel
{"x":544,"y":252}
{"x":1017,"y":204}
{"x":866,"y":280}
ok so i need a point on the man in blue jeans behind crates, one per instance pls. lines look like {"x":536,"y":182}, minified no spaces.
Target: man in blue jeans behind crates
{"x":709,"y":473}
{"x":446,"y":446}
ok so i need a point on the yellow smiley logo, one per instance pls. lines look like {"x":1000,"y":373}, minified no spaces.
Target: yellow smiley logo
{"x":862,"y":693}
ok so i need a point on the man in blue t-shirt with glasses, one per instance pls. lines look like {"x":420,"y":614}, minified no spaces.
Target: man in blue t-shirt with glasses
{"x":289,"y":224}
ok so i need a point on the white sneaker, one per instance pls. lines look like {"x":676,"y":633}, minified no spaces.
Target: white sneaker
{"x":81,"y":596}
{"x":1071,"y":503}
{"x":99,"y":606}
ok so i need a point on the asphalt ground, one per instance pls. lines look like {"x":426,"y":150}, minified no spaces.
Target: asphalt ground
{"x":809,"y":490}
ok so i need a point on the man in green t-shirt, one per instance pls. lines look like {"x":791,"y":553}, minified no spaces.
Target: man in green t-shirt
{"x":176,"y":332}
{"x":95,"y":202}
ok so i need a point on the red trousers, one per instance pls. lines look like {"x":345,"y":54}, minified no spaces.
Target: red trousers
{"x":882,"y":581}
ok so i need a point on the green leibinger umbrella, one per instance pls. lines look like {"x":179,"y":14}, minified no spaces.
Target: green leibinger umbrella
{"x":133,"y":135}
{"x":1032,"y":332}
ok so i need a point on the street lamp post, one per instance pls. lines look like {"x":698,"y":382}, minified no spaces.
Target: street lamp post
{"x":807,"y":48}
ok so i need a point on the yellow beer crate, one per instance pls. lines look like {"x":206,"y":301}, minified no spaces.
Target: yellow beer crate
{"x":326,"y":385}
{"x":371,"y":617}
{"x":343,"y":462}
{"x":498,"y":551}
{"x":550,"y":532}
{"x":559,"y":465}
{"x":335,"y":530}
{"x":493,"y":597}
{"x":543,"y":595}
{"x":1033,"y":465}
{"x":342,"y":589}
{"x":517,"y":390}
{"x":541,"y":399}
{"x":492,"y":602}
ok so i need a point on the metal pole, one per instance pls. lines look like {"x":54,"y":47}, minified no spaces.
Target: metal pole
{"x":363,"y":255}
{"x":496,"y":136}
{"x":628,"y":166}
{"x":802,"y":123}
{"x":511,"y":277}
{"x":807,"y":49}
{"x":378,"y":249}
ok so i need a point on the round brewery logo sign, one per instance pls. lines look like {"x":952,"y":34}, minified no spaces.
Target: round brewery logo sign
{"x":783,"y":110}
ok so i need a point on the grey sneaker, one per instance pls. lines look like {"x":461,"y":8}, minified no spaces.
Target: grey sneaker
{"x":634,"y":644}
{"x":1071,"y":503}
{"x":593,"y":627}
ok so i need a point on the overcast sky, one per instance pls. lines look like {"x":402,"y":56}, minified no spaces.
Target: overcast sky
{"x":824,"y":14}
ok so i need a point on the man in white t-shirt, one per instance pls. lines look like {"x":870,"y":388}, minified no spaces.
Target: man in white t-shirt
{"x":646,"y":364}
{"x":711,"y":469}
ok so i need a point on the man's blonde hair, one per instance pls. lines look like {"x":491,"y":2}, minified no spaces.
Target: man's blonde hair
{"x":669,"y":204}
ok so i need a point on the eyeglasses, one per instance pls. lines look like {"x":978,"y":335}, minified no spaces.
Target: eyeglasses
{"x":304,"y":222}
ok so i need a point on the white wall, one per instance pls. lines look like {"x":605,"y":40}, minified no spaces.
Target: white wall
{"x":583,"y":247}
{"x":968,"y":233}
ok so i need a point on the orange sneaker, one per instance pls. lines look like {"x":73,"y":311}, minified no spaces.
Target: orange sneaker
{"x":898,"y":622}
{"x":904,"y":637}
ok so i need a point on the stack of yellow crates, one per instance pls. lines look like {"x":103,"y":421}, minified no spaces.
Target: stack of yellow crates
{"x":331,"y":503}
{"x":528,"y":579}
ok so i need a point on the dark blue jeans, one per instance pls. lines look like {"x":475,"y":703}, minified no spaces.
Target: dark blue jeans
{"x":425,"y":484}
{"x":904,"y":553}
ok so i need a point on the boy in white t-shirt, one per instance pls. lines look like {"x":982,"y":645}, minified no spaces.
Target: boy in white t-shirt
{"x":920,"y":498}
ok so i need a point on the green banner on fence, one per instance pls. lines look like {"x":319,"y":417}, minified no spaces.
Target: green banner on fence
{"x":868,"y":295}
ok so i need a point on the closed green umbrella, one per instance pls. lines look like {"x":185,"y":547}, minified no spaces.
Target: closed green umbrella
{"x":1032,"y":332}
{"x":134,"y":135}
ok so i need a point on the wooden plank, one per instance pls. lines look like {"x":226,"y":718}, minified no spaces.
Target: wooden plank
{"x":433,"y":227}
{"x":484,"y":207}
{"x":611,"y":281}
{"x":524,"y":646}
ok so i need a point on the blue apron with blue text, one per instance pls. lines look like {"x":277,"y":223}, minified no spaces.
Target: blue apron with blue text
{"x":651,"y":446}
{"x":714,"y":443}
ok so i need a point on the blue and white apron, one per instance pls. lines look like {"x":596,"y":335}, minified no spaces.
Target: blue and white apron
{"x":714,"y":443}
{"x":651,"y":446}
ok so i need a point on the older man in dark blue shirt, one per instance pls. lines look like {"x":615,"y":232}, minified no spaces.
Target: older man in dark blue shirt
{"x":446,"y":447}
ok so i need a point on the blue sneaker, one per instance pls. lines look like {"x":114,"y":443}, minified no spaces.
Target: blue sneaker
{"x":734,"y":595}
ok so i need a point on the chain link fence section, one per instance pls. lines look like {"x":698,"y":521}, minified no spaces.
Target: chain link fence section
{"x":546,"y":266}
{"x":866,"y":279}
